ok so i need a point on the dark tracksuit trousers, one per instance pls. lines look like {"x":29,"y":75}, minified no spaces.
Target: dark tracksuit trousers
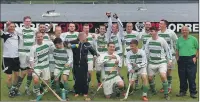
{"x":187,"y":74}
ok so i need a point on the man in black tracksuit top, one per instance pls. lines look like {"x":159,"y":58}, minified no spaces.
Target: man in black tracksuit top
{"x":80,"y":66}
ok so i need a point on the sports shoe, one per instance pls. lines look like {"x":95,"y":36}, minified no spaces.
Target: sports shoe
{"x":162,"y":90}
{"x":27,"y":91}
{"x":17,"y":93}
{"x":166,"y":96}
{"x":85,"y":95}
{"x":76,"y":95}
{"x":38,"y":97}
{"x":144,"y":98}
{"x":153,"y":92}
{"x":116,"y":90}
{"x":11,"y":93}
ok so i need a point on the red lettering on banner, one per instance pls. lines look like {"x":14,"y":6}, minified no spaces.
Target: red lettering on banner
{"x":1,"y":25}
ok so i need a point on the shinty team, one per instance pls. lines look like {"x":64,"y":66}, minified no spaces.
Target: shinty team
{"x":47,"y":56}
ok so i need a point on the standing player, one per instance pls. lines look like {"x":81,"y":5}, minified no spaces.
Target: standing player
{"x":136,"y":62}
{"x":63,"y":61}
{"x":145,"y":35}
{"x":90,"y":56}
{"x":116,"y":35}
{"x":101,"y":48}
{"x":39,"y":62}
{"x":129,"y":35}
{"x":110,"y":62}
{"x":71,"y":34}
{"x":27,"y":40}
{"x":10,"y":64}
{"x":157,"y":50}
{"x":43,"y":29}
{"x":57,"y":33}
{"x":171,"y":38}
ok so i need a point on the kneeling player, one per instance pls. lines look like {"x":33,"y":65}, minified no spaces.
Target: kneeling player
{"x":63,"y":60}
{"x":136,"y":64}
{"x":110,"y":62}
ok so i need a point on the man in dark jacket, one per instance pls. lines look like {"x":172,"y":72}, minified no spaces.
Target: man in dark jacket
{"x":80,"y":48}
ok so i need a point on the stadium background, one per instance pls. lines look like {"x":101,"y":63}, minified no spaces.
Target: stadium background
{"x":177,"y":12}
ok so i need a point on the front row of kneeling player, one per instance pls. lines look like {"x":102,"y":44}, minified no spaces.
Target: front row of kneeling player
{"x":156,"y":50}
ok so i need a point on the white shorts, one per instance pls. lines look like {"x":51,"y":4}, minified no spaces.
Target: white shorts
{"x":51,"y":63}
{"x":133,"y":76}
{"x":108,"y":85}
{"x":90,"y":66}
{"x":98,"y":66}
{"x":43,"y":73}
{"x":24,"y":60}
{"x":57,"y":71}
{"x":154,"y":68}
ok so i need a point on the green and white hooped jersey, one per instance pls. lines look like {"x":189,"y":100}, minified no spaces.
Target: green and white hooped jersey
{"x":107,"y":65}
{"x":91,"y":41}
{"x":138,"y":58}
{"x":69,"y":36}
{"x":170,"y":37}
{"x":46,"y":37}
{"x":157,"y":50}
{"x":27,"y":39}
{"x":144,"y":37}
{"x":61,"y":57}
{"x":118,"y":44}
{"x":40,"y":55}
{"x":101,"y":44}
{"x":134,"y":35}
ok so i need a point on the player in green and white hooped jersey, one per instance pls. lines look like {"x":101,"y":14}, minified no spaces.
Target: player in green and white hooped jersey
{"x":27,"y":39}
{"x":101,"y":47}
{"x":39,"y":62}
{"x":110,"y":62}
{"x":56,"y":34}
{"x":116,"y":35}
{"x":136,"y":62}
{"x":71,"y":35}
{"x":159,"y":57}
{"x":145,"y":34}
{"x":42,"y":29}
{"x":129,"y":35}
{"x":63,"y":61}
{"x":91,"y":61}
{"x":171,"y":39}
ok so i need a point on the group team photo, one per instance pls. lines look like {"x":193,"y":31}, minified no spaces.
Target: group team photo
{"x":115,"y":62}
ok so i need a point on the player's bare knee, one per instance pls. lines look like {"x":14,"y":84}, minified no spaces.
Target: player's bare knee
{"x":131,"y":82}
{"x":9,"y":78}
{"x":163,"y":76}
{"x":150,"y":78}
{"x":121,"y":84}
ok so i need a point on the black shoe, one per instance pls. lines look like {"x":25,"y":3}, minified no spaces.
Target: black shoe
{"x":193,"y":95}
{"x":11,"y":93}
{"x":166,"y":96}
{"x":181,"y":94}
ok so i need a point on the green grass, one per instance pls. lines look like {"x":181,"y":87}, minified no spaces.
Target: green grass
{"x":100,"y":97}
